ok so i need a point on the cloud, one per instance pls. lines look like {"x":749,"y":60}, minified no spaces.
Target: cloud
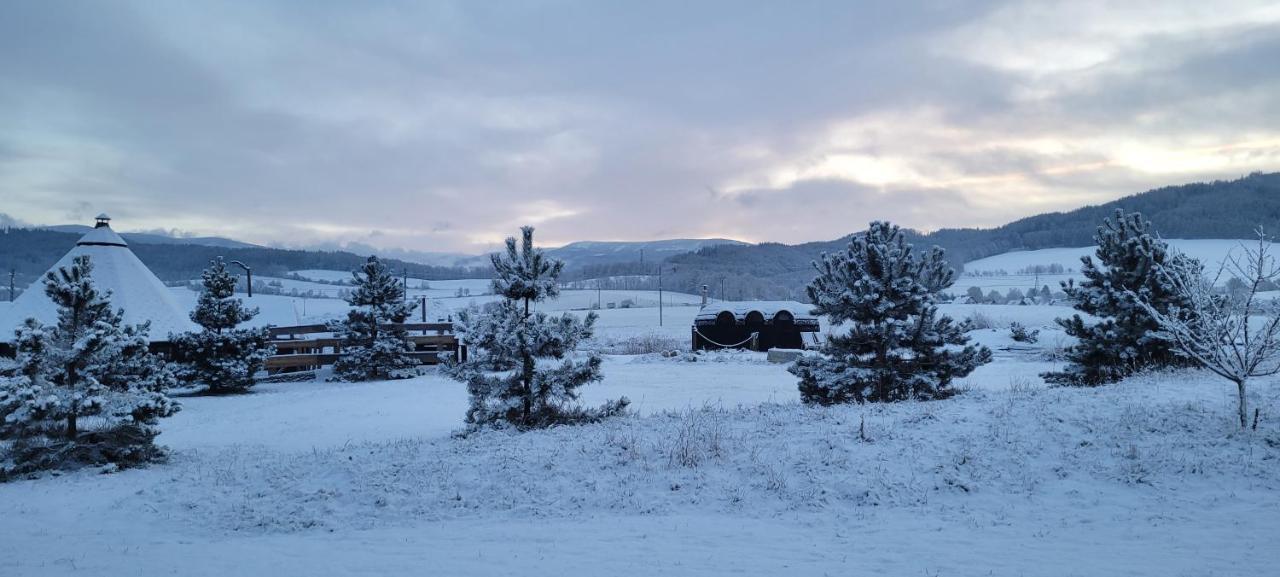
{"x":444,"y":126}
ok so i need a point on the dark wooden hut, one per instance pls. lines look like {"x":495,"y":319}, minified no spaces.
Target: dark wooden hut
{"x":753,"y":325}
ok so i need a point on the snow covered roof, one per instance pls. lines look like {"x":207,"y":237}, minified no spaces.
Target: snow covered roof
{"x":741,"y":309}
{"x":133,"y":287}
{"x":104,"y":236}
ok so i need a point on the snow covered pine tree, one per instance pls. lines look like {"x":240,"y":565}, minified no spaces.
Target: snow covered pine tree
{"x":1130,"y":261}
{"x":508,"y":342}
{"x":87,"y":365}
{"x":898,"y":347}
{"x":373,"y":350}
{"x":222,"y":357}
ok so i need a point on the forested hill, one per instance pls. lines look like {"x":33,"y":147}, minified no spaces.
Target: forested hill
{"x":30,"y":252}
{"x":1219,"y":209}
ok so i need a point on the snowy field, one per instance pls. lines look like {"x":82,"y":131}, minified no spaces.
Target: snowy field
{"x":281,"y":310}
{"x":982,"y":273}
{"x":718,"y":471}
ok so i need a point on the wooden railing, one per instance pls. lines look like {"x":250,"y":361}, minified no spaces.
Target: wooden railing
{"x":296,"y":352}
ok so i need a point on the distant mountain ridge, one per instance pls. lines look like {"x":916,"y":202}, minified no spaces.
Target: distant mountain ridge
{"x":575,"y":254}
{"x":1224,"y":209}
{"x":154,"y":238}
{"x":588,"y":253}
{"x":730,"y":269}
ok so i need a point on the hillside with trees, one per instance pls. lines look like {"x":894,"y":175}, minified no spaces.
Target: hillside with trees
{"x":1219,"y":209}
{"x":30,"y":252}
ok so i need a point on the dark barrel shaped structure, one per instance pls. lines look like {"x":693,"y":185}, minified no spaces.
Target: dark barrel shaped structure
{"x":753,"y":325}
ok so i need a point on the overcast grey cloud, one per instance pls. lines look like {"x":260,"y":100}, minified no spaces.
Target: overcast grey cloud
{"x":444,"y":125}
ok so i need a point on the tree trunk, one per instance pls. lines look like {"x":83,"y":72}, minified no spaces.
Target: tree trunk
{"x":527,"y":377}
{"x":71,"y":427}
{"x":1244,"y":404}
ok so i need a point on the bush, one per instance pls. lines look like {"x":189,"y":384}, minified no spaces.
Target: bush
{"x":648,"y":343}
{"x":978,"y":320}
{"x":1022,"y":335}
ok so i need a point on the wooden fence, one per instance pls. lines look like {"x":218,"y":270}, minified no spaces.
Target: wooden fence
{"x":297,"y":351}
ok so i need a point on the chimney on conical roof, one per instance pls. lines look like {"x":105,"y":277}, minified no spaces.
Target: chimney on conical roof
{"x":102,"y":220}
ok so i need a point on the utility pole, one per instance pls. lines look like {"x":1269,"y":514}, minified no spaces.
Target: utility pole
{"x":404,"y":275}
{"x":659,"y":294}
{"x":248,"y":276}
{"x":599,"y":302}
{"x":12,"y":272}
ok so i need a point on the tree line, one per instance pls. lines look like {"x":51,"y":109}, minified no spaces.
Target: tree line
{"x":30,"y":252}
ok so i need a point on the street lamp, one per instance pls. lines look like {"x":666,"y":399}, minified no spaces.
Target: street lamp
{"x":249,"y":275}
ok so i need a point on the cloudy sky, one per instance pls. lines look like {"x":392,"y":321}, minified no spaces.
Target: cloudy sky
{"x":444,"y":126}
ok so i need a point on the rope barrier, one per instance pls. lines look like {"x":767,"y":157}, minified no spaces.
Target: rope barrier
{"x":723,"y":346}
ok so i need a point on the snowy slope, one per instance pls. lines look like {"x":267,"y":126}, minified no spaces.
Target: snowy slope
{"x":982,"y":273}
{"x":1211,"y":252}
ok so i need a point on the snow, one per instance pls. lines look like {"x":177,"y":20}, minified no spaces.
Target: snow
{"x":1147,"y":477}
{"x":277,"y":310}
{"x":1208,"y":251}
{"x":766,"y":308}
{"x":102,"y":235}
{"x":115,"y":268}
{"x":719,"y":470}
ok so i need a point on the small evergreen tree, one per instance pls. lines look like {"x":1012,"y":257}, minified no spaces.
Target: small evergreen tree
{"x":1021,"y":334}
{"x":898,"y":346}
{"x":221,"y":357}
{"x":520,"y":372}
{"x":1129,"y":266}
{"x":375,"y":347}
{"x":89,"y":364}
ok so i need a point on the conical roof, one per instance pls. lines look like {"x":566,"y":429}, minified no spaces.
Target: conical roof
{"x":133,"y":287}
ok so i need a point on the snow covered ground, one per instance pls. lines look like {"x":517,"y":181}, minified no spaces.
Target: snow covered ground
{"x":718,"y":471}
{"x":982,"y":273}
{"x":443,"y":301}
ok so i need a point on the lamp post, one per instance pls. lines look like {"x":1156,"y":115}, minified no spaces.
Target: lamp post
{"x":248,"y":276}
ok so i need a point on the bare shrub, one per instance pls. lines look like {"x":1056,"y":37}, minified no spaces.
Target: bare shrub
{"x":645,"y":344}
{"x":697,"y":437}
{"x":1055,"y":349}
{"x":1021,"y":386}
{"x":979,"y":320}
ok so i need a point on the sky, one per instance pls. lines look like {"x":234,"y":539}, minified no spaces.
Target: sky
{"x":444,"y":126}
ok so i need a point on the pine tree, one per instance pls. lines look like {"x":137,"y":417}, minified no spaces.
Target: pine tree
{"x":1129,"y":266}
{"x":217,"y":309}
{"x":89,"y":364}
{"x":221,"y":357}
{"x":520,"y":371}
{"x":375,"y":347}
{"x":898,"y":346}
